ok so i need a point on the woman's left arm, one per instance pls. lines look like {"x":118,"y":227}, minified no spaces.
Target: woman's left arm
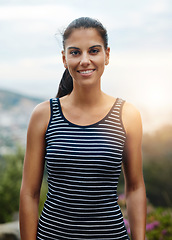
{"x":132,"y":167}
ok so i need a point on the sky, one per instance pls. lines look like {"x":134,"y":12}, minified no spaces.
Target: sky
{"x":140,"y":39}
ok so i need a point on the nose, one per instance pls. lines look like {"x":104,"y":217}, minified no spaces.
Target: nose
{"x":85,"y":59}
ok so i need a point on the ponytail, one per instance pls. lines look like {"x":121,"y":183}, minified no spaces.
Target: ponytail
{"x":66,"y":84}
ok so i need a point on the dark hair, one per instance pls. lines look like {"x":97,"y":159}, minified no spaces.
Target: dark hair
{"x":66,"y":83}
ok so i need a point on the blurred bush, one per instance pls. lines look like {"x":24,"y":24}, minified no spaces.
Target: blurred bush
{"x":158,"y":145}
{"x":11,"y":167}
{"x":10,"y":181}
{"x":157,"y":167}
{"x":158,"y":224}
{"x":157,"y":177}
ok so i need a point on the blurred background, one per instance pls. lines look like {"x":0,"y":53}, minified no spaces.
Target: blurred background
{"x":140,"y":71}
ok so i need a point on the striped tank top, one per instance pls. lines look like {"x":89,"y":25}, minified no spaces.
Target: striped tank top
{"x":83,"y":165}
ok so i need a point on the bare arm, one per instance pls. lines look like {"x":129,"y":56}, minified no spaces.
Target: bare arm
{"x":33,"y":172}
{"x":132,"y":166}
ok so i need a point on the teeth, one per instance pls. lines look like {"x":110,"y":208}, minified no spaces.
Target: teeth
{"x":87,"y":71}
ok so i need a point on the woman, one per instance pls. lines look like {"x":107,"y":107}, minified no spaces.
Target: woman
{"x":84,"y":136}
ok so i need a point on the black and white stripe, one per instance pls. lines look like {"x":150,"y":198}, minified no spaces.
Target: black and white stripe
{"x":83,"y":165}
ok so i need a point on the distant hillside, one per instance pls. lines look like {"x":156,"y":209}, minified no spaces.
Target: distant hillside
{"x":15,"y":112}
{"x":9,"y":99}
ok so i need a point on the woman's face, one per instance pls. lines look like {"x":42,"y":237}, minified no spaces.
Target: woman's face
{"x":85,"y":56}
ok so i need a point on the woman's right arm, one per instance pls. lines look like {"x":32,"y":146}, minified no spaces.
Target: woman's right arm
{"x":33,"y":171}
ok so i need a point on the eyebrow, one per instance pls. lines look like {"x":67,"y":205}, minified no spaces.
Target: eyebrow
{"x":96,"y":46}
{"x":89,"y":47}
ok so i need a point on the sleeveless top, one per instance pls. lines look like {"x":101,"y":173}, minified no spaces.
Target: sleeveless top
{"x":83,"y":165}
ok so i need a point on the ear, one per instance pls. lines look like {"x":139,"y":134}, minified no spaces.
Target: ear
{"x":107,"y":56}
{"x":64,"y":59}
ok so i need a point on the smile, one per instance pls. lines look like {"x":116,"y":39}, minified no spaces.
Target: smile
{"x":86,"y":71}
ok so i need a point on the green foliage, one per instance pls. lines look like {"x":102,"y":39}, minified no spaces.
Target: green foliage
{"x":10,"y":179}
{"x":157,"y":177}
{"x":162,"y":230}
{"x":158,"y":222}
{"x":11,"y":167}
{"x":157,"y":167}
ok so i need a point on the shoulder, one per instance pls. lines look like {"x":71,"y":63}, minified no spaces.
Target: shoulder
{"x":41,"y":110}
{"x":40,"y":116}
{"x":131,"y":118}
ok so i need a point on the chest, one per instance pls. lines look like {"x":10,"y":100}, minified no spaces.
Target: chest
{"x":84,"y":117}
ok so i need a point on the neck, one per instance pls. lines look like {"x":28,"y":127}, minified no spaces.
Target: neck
{"x":86,"y":96}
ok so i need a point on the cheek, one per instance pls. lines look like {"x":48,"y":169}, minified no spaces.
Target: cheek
{"x":101,"y":63}
{"x":98,"y":61}
{"x":72,"y":62}
{"x":72,"y":66}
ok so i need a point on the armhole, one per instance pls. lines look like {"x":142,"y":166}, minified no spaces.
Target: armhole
{"x":121,"y":109}
{"x":51,"y":115}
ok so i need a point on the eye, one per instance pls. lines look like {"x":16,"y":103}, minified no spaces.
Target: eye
{"x":94,"y":51}
{"x":75,"y":52}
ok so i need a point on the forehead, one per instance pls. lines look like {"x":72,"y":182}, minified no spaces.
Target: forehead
{"x":84,"y":37}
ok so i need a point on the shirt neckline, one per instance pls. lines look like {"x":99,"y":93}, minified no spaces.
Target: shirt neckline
{"x":89,"y":125}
